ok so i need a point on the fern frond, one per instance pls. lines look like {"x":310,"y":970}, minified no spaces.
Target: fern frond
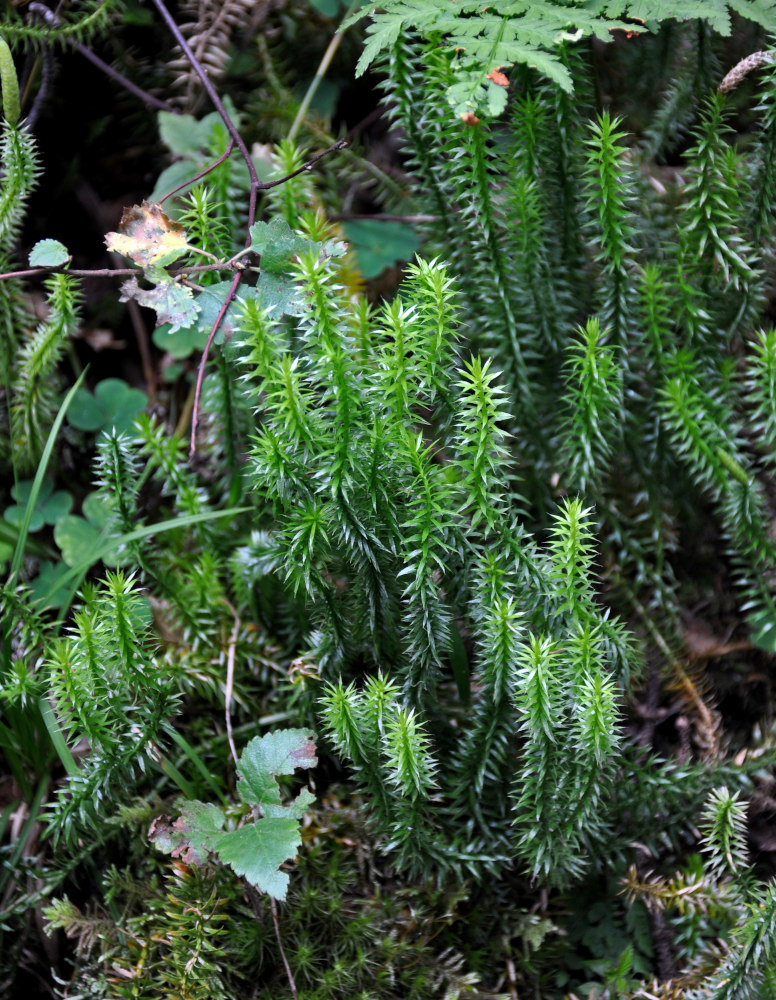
{"x":527,"y":33}
{"x":79,"y":25}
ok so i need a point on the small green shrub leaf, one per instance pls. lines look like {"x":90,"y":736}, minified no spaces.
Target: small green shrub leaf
{"x":49,"y":253}
{"x":267,"y":756}
{"x":183,"y":134}
{"x":192,"y":834}
{"x":279,"y":294}
{"x":256,"y":852}
{"x":276,"y":243}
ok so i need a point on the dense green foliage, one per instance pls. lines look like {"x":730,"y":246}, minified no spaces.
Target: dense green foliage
{"x":451,"y":534}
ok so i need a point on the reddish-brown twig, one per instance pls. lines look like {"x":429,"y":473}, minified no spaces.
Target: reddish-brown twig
{"x":255,"y":186}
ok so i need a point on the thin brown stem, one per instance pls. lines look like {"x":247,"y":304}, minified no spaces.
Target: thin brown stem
{"x":231,"y":652}
{"x":141,"y":336}
{"x":212,"y":93}
{"x":203,"y":173}
{"x":51,"y":18}
{"x":232,"y":264}
{"x":201,"y":369}
{"x":255,"y":186}
{"x":339,"y":144}
{"x":409,"y":219}
{"x":128,"y":85}
{"x":273,"y":907}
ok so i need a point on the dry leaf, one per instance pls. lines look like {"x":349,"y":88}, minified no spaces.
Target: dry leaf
{"x":148,"y":236}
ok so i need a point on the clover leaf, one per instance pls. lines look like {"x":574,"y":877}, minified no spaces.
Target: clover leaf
{"x":76,"y":536}
{"x":113,"y":404}
{"x":50,"y":506}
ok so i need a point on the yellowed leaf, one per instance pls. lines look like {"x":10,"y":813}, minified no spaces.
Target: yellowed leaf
{"x":148,"y":236}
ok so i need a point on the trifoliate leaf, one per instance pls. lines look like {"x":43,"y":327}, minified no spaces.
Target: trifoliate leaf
{"x":77,"y":535}
{"x":49,"y":587}
{"x":148,"y":236}
{"x":49,"y":253}
{"x":172,"y":302}
{"x":49,"y":507}
{"x":113,"y":404}
{"x":257,"y":851}
{"x":267,"y":756}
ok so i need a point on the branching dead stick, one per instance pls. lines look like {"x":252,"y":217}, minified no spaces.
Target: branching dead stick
{"x":255,"y":186}
{"x":212,"y":93}
{"x":51,"y":18}
{"x":224,"y":156}
{"x":98,"y":272}
{"x":339,"y":144}
{"x":233,"y":264}
{"x":128,"y":85}
{"x":230,"y":295}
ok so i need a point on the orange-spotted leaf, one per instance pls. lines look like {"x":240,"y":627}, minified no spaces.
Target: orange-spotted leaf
{"x":148,"y":236}
{"x":498,"y":77}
